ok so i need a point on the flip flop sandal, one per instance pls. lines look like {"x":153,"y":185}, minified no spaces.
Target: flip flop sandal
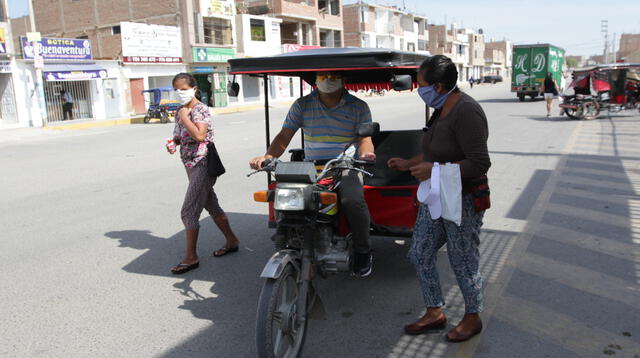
{"x":184,"y":268}
{"x":224,"y":250}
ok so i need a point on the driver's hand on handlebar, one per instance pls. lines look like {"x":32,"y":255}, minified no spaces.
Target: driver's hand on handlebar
{"x":368,"y":156}
{"x":256,"y":163}
{"x":398,"y":164}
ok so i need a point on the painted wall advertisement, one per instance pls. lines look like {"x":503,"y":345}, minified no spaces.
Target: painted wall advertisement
{"x":216,"y":7}
{"x":57,"y":49}
{"x":142,"y":43}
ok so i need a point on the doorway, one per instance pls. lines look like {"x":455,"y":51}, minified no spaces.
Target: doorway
{"x":137,"y":98}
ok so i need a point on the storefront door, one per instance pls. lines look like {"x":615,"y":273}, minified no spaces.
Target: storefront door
{"x":137,"y":98}
{"x":80,"y":92}
{"x":219,"y":89}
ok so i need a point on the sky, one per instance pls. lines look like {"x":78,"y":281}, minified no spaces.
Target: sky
{"x":573,"y":25}
{"x":18,"y":8}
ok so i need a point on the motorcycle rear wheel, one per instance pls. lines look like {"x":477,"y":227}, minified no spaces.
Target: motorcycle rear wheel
{"x":279,"y":334}
{"x":590,"y":110}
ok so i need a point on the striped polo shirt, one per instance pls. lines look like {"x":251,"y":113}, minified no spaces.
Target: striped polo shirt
{"x":327,"y":130}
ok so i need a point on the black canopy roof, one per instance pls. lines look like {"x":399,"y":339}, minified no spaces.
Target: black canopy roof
{"x":363,"y":64}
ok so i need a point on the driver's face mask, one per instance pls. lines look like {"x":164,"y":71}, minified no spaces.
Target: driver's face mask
{"x":329,"y":83}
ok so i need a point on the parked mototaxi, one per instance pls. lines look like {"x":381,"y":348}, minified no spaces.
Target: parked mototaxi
{"x":611,"y":87}
{"x":161,"y":104}
{"x":313,"y":238}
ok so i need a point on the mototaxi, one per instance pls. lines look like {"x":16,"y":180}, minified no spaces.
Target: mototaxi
{"x":318,"y":243}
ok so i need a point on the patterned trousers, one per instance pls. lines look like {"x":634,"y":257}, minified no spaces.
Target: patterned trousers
{"x":462,"y":247}
{"x":200,"y":195}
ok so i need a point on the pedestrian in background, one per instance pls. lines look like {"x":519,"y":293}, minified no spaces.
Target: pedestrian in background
{"x":457,"y":133}
{"x":67,"y":105}
{"x":471,"y":81}
{"x":193,"y":131}
{"x":550,"y":90}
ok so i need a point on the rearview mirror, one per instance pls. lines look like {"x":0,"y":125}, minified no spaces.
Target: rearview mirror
{"x":401,"y":82}
{"x":233,"y":88}
{"x":368,"y":129}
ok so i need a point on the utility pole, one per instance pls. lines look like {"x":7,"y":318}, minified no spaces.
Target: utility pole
{"x":39,"y":85}
{"x":604,"y":28}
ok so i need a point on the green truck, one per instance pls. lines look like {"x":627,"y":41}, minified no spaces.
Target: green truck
{"x":531,"y":63}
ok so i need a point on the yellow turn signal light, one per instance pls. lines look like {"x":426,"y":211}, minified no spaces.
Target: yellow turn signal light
{"x":327,"y":198}
{"x":261,"y":196}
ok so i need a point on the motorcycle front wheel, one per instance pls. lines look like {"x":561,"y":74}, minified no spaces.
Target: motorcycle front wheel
{"x":279,"y":332}
{"x":590,"y":110}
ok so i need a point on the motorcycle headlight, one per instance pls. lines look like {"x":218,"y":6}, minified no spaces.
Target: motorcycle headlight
{"x":289,"y":199}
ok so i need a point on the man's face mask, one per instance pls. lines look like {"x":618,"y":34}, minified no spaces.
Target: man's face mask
{"x":329,"y":83}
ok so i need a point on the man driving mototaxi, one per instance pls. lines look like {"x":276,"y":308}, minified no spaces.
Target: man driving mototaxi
{"x":329,"y":117}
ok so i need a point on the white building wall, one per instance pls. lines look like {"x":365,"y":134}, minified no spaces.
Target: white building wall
{"x":28,"y":108}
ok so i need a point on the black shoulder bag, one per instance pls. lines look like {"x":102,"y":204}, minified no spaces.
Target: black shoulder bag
{"x":214,"y":164}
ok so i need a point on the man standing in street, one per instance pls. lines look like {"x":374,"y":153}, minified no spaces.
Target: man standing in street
{"x":67,"y":104}
{"x":329,"y":117}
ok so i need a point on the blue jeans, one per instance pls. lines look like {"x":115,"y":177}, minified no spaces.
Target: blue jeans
{"x":462,"y":247}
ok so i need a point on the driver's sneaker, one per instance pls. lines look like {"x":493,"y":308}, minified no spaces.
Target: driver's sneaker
{"x":362,"y":264}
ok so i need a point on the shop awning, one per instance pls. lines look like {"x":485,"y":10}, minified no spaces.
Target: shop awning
{"x":74,"y":72}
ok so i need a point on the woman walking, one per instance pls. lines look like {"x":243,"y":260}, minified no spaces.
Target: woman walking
{"x":193,"y":131}
{"x":550,"y":90}
{"x":457,"y":133}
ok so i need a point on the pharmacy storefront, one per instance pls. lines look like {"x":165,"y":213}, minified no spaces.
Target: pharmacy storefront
{"x":71,"y":87}
{"x":210,"y":70}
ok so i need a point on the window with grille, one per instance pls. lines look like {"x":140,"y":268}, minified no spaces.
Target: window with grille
{"x":217,"y":31}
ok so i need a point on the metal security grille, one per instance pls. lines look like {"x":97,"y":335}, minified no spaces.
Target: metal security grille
{"x":8,"y":113}
{"x":82,"y":100}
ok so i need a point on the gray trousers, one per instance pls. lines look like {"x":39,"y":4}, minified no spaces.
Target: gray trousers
{"x":355,"y":208}
{"x":200,"y":195}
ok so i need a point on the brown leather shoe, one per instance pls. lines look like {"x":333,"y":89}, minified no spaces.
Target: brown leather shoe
{"x":462,"y":336}
{"x":418,"y":328}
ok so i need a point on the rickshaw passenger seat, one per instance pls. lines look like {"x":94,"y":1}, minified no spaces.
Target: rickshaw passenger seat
{"x":388,"y":144}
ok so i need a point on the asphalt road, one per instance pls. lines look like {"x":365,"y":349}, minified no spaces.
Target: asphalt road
{"x":90,"y":226}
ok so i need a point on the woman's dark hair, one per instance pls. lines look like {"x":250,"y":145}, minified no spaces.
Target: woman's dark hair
{"x":440,"y":69}
{"x":191,"y":81}
{"x":549,"y":76}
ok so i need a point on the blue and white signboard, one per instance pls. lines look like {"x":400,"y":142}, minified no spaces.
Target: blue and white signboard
{"x":75,"y":75}
{"x":57,"y":49}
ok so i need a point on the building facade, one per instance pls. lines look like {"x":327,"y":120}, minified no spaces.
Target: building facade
{"x":304,"y":22}
{"x":506,"y":47}
{"x":629,"y":44}
{"x":368,"y":25}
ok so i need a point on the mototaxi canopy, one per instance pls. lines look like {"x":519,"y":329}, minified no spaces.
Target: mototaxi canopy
{"x":363,"y":67}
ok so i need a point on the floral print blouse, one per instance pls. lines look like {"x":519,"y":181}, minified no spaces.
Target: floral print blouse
{"x":192,"y":151}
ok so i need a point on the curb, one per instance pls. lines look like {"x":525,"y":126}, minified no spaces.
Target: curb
{"x":96,"y":124}
{"x":140,"y":119}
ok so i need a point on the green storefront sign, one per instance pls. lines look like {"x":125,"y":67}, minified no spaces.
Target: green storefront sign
{"x":212,"y":54}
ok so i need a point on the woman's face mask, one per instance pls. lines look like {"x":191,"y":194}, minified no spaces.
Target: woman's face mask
{"x":186,"y":95}
{"x":328,"y":84}
{"x":432,"y":98}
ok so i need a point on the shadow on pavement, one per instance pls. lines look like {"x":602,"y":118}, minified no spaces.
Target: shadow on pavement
{"x":364,"y":316}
